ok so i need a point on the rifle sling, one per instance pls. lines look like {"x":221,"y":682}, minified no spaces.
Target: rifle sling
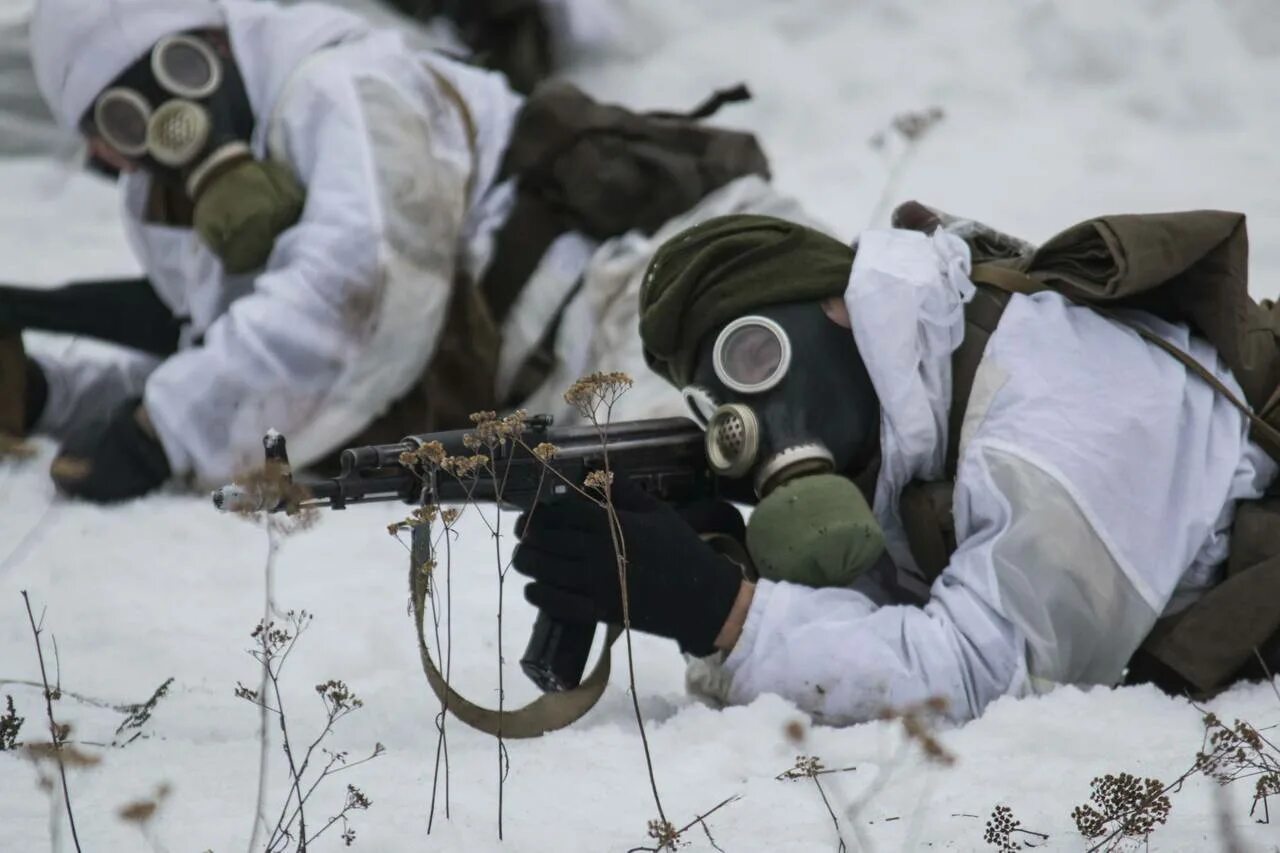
{"x":548,"y":712}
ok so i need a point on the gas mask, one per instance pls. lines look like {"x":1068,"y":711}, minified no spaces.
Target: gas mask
{"x":786,"y":401}
{"x":181,"y":112}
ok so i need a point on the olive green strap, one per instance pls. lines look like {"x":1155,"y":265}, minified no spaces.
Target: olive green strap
{"x":455,"y":99}
{"x":1014,"y":281}
{"x":1005,"y":278}
{"x":548,"y":712}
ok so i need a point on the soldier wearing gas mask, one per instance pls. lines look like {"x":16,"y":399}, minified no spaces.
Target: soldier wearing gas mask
{"x":342,"y":238}
{"x":302,"y":192}
{"x":1094,"y":481}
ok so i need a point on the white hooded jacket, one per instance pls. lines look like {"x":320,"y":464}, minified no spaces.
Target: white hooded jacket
{"x":348,"y":310}
{"x":1097,"y":481}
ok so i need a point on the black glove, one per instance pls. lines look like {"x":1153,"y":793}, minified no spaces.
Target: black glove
{"x":678,"y":586}
{"x":111,"y":459}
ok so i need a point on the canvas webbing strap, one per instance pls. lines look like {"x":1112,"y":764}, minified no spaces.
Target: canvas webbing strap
{"x":1013,"y":281}
{"x":455,"y":99}
{"x":548,"y":712}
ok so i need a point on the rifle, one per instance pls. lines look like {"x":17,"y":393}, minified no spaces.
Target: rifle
{"x":665,"y":457}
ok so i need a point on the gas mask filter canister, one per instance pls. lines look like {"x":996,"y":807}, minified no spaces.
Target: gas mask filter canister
{"x":791,"y":430}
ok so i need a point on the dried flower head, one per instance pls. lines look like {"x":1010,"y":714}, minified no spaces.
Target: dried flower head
{"x":795,"y":731}
{"x":594,"y":391}
{"x":465,"y":466}
{"x":269,"y":489}
{"x":806,"y":767}
{"x":918,"y":721}
{"x":10,"y":726}
{"x":356,"y":799}
{"x":664,"y":834}
{"x":492,"y":431}
{"x":914,"y":124}
{"x":601,"y":481}
{"x":50,"y":754}
{"x":1240,"y":751}
{"x":1001,"y":827}
{"x":419,"y":516}
{"x":546,"y":451}
{"x":337,"y":697}
{"x":432,"y":453}
{"x":1122,"y":806}
{"x":142,"y":811}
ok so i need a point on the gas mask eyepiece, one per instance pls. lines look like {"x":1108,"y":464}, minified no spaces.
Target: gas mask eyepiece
{"x":121,"y":117}
{"x":186,"y":66}
{"x":752,"y":354}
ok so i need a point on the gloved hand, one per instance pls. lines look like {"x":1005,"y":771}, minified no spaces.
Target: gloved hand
{"x":242,"y":212}
{"x":111,"y":459}
{"x":677,"y":585}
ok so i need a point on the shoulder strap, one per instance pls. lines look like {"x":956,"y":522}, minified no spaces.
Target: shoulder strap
{"x":981,"y":315}
{"x":459,"y":104}
{"x":1012,"y":281}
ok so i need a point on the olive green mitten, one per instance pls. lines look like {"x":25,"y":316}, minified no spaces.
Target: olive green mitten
{"x":816,"y":530}
{"x":244,"y":208}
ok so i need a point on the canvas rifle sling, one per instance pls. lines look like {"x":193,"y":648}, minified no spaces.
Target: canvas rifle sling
{"x":550,"y":711}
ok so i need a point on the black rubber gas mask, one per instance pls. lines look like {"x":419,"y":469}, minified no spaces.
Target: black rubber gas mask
{"x":786,"y":401}
{"x":182,"y":113}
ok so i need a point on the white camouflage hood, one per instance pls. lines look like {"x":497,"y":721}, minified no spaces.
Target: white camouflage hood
{"x":79,"y":46}
{"x":906,"y":298}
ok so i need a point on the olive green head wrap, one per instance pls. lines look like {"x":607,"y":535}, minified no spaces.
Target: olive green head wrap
{"x":724,"y":268}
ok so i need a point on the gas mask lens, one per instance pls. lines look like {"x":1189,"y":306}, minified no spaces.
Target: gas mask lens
{"x":752,"y":354}
{"x":120,"y":117}
{"x":186,"y":66}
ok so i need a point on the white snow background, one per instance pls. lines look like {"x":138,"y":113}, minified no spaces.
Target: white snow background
{"x":1054,"y":110}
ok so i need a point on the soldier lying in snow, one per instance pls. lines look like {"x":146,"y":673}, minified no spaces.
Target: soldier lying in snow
{"x":1051,"y":487}
{"x":336,"y":235}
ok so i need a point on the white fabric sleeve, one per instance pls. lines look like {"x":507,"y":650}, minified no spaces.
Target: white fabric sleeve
{"x":87,"y":386}
{"x":1032,"y":598}
{"x":349,"y":308}
{"x":844,"y":660}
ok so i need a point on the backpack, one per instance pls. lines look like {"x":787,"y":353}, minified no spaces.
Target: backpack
{"x":603,"y":170}
{"x":1184,"y":267}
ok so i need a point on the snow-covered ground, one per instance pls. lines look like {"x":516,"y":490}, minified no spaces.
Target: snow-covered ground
{"x":1054,"y":110}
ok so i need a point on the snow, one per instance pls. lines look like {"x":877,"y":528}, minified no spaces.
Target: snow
{"x":1054,"y":110}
